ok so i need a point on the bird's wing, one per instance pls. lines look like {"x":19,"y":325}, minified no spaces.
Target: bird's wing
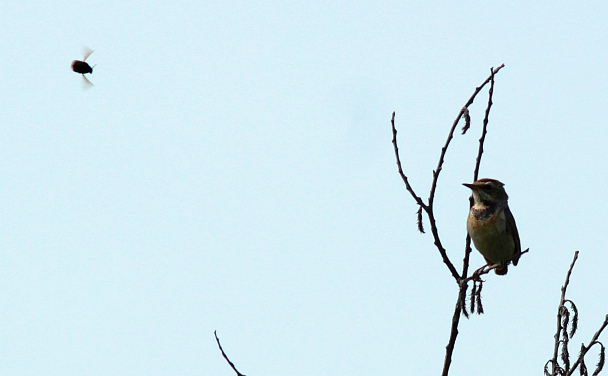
{"x":512,"y":229}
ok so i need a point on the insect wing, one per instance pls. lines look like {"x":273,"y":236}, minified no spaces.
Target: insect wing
{"x":86,"y":84}
{"x":87,"y":52}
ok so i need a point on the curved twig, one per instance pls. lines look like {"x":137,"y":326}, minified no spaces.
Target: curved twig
{"x":226,"y":356}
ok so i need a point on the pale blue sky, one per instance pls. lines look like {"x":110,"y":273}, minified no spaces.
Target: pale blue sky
{"x":232,"y":170}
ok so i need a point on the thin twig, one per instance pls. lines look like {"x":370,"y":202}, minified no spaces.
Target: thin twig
{"x":584,"y":349}
{"x":451,"y":134}
{"x":403,"y":177}
{"x":467,"y":256}
{"x":442,"y":251}
{"x":226,"y":356}
{"x":422,"y":205}
{"x":485,"y":127}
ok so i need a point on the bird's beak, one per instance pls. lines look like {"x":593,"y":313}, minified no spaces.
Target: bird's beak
{"x":472,"y":186}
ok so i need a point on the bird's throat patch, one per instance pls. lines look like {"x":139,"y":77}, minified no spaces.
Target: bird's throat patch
{"x":483,"y":212}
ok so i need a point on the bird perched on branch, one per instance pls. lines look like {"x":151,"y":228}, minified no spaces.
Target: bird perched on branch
{"x":491,"y":225}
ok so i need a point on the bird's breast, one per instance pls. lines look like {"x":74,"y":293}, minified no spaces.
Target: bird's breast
{"x":486,"y":219}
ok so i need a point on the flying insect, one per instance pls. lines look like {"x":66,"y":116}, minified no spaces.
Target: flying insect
{"x":82,"y":67}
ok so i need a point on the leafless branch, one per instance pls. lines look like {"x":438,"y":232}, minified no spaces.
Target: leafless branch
{"x":449,"y":349}
{"x":422,"y":205}
{"x":403,"y":176}
{"x":485,"y":126}
{"x":226,"y":356}
{"x":567,"y":315}
{"x":454,"y":125}
{"x":560,"y":314}
{"x":585,"y":349}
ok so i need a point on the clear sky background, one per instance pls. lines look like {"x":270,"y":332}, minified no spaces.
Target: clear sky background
{"x":232,"y":170}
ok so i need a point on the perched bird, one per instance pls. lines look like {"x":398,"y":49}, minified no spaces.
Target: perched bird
{"x":82,"y":67}
{"x":492,"y":226}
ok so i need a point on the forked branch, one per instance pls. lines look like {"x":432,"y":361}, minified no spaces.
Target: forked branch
{"x":567,"y":323}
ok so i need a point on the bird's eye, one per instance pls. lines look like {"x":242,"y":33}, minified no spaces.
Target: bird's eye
{"x":487,"y":188}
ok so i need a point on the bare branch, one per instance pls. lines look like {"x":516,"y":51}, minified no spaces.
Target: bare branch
{"x":585,"y":349}
{"x":403,"y":176}
{"x":226,"y":356}
{"x":422,"y":205}
{"x":465,"y":261}
{"x":442,"y":251}
{"x":451,"y":134}
{"x":485,"y":125}
{"x":449,"y":349}
{"x":560,"y":328}
{"x":569,"y":316}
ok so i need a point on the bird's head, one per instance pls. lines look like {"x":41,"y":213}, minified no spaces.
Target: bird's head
{"x":488,"y":192}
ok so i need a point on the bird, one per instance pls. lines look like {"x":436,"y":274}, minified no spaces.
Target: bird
{"x":491,"y":224}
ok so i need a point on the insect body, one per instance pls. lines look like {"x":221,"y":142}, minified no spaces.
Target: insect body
{"x":83,"y":67}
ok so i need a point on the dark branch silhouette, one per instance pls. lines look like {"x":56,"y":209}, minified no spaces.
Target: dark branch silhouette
{"x":484,"y":129}
{"x":567,"y":323}
{"x":403,"y":177}
{"x":226,"y":356}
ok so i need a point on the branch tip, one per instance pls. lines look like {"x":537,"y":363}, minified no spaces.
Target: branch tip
{"x":226,"y":356}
